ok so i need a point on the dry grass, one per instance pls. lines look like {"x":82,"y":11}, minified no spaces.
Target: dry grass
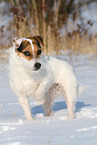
{"x":78,"y":44}
{"x":33,"y":22}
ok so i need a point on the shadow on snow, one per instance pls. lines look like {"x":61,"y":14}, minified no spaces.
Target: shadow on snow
{"x":58,"y":106}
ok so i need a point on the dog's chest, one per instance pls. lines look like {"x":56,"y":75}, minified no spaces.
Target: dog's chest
{"x":23,"y":82}
{"x":29,"y":85}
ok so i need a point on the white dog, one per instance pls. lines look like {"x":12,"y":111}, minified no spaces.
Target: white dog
{"x":40,"y":76}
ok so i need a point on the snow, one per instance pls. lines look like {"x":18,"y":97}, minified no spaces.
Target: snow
{"x":57,"y":129}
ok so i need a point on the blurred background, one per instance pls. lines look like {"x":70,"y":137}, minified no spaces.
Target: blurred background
{"x":64,"y":25}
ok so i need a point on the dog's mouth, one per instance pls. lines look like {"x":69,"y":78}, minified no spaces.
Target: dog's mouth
{"x":37,"y":66}
{"x":36,"y":69}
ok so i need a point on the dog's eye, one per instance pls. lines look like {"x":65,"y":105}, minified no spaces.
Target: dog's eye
{"x":39,"y":52}
{"x":27,"y":53}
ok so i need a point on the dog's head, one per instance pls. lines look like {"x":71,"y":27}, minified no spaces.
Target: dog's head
{"x":29,"y":49}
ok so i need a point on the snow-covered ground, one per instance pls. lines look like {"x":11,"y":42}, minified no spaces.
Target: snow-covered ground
{"x":55,"y":130}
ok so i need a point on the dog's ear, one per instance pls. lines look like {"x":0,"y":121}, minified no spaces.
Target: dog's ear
{"x":38,"y":39}
{"x":15,"y":42}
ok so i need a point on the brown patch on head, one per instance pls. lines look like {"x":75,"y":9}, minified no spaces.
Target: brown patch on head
{"x":37,"y":42}
{"x":25,"y":49}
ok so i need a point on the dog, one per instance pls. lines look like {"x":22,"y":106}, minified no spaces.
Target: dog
{"x":32,"y":74}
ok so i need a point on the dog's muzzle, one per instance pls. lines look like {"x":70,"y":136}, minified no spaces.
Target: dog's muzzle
{"x":37,"y":66}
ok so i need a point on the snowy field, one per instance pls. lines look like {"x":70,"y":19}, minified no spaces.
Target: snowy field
{"x":55,"y":130}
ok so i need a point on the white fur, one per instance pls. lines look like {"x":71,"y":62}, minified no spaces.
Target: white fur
{"x":55,"y":77}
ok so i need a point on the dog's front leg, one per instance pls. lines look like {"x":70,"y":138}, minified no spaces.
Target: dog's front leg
{"x":42,"y":89}
{"x":25,"y":105}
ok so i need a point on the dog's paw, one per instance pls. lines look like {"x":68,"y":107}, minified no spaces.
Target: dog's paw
{"x":29,"y":118}
{"x":40,"y":102}
{"x":71,"y":116}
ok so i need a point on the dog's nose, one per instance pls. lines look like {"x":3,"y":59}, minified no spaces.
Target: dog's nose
{"x":37,"y":66}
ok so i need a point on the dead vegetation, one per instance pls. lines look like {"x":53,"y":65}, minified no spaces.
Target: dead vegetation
{"x":47,"y":18}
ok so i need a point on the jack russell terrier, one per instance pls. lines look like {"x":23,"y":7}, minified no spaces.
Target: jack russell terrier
{"x":33,"y":74}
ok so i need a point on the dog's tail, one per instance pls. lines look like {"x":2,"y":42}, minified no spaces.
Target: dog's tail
{"x":80,"y":89}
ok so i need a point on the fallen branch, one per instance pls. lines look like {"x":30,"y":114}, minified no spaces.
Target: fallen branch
{"x":49,"y":141}
{"x":2,"y":106}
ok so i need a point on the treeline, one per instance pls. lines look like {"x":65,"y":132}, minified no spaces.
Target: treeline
{"x":54,"y":20}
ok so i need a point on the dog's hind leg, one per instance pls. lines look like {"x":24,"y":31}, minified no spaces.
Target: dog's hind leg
{"x":70,"y":101}
{"x":47,"y":106}
{"x":50,"y":96}
{"x":70,"y":95}
{"x":25,"y":105}
{"x":71,"y":109}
